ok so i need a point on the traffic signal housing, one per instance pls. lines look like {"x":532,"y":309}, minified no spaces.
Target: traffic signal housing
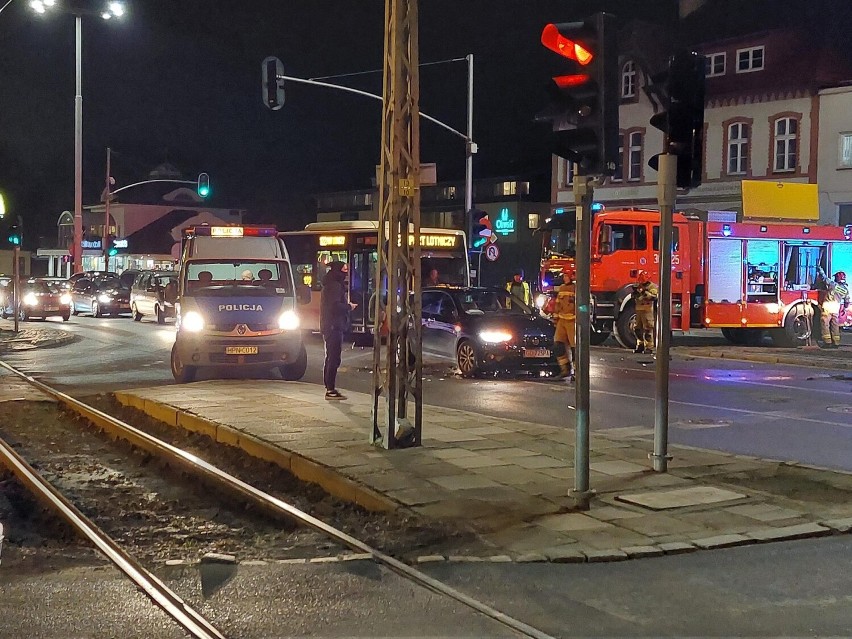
{"x":15,"y":235}
{"x":112,"y":251}
{"x":481,"y":231}
{"x":682,"y":120}
{"x":584,"y":100}
{"x":203,"y":185}
{"x":272,"y":83}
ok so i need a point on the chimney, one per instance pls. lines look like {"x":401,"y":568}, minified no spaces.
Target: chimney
{"x":688,"y":6}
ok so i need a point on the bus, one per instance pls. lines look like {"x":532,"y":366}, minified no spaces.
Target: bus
{"x":356,"y":244}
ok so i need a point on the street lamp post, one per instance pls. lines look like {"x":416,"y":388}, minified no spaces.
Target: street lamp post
{"x":111,"y":10}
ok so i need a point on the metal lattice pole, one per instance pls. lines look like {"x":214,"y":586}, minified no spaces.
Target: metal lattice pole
{"x":397,"y":361}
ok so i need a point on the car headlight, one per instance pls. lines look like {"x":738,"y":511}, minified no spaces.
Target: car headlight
{"x":30,"y":299}
{"x":65,"y":298}
{"x":495,"y":337}
{"x":288,"y":321}
{"x":104,"y":299}
{"x":192,"y":322}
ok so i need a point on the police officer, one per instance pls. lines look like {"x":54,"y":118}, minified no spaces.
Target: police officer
{"x":836,"y":295}
{"x":519,"y":288}
{"x":644,"y":295}
{"x":565,"y":316}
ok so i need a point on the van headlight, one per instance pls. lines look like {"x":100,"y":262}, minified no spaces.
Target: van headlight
{"x":495,"y":337}
{"x":288,"y":321}
{"x":30,"y":299}
{"x":65,"y":299}
{"x":192,"y":322}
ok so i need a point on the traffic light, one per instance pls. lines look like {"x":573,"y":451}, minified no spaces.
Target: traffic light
{"x":682,"y":121}
{"x":15,"y":235}
{"x":113,"y":249}
{"x":481,"y":231}
{"x":272,"y":83}
{"x":203,"y":185}
{"x":584,"y":107}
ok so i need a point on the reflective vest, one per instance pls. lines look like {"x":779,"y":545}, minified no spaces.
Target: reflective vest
{"x":521,"y":290}
{"x":566,"y":303}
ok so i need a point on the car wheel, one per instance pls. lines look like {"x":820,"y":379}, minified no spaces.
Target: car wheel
{"x":22,"y":315}
{"x":3,"y":312}
{"x":137,"y":316}
{"x":466,"y":359}
{"x":161,"y":315}
{"x":96,"y":309}
{"x":180,"y":371}
{"x":74,"y":310}
{"x":295,"y":370}
{"x":66,"y":317}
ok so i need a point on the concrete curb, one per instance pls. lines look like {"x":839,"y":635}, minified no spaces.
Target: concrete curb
{"x":769,"y":358}
{"x":61,"y":339}
{"x":304,"y":468}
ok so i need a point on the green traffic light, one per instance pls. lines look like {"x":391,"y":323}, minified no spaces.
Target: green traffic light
{"x":203,"y":191}
{"x":113,"y":252}
{"x":480,"y":241}
{"x":203,"y":183}
{"x":15,"y":239}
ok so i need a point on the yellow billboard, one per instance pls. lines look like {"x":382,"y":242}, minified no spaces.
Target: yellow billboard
{"x":780,"y":200}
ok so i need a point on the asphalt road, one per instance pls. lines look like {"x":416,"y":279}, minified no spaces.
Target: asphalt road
{"x":776,"y":411}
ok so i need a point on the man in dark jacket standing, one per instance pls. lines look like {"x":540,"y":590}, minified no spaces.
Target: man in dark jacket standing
{"x":334,"y":322}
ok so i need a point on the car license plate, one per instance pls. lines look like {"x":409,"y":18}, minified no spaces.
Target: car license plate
{"x":51,"y":308}
{"x":241,"y":350}
{"x":536,"y":352}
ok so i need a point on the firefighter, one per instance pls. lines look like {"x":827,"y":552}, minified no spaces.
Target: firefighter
{"x":644,"y":295}
{"x":564,"y":314}
{"x":835,"y":296}
{"x":519,"y":288}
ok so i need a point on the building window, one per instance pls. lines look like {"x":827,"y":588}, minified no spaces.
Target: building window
{"x":749,"y":59}
{"x":715,"y":64}
{"x":509,"y":188}
{"x":450,"y":193}
{"x":738,"y":148}
{"x":618,"y":175}
{"x":628,"y":80}
{"x":569,"y":174}
{"x":634,"y":158}
{"x":845,"y":160}
{"x":533,"y":221}
{"x":786,"y":144}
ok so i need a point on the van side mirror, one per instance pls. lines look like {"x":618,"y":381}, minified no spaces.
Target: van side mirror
{"x":303,"y":294}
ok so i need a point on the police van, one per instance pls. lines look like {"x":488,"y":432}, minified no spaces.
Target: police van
{"x":237,"y":307}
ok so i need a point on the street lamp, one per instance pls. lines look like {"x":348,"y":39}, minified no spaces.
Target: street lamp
{"x":112,"y":10}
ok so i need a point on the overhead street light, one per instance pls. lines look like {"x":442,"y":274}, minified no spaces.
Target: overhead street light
{"x":111,"y":10}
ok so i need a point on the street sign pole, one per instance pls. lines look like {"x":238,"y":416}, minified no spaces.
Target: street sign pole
{"x":583,"y":197}
{"x":666,"y":192}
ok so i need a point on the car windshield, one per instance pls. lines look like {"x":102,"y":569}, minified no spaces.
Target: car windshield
{"x":479,"y":302}
{"x":270,"y":275}
{"x":109,"y":281}
{"x":43,"y":287}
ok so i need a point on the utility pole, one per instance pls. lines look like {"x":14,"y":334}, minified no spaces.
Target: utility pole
{"x":666,"y":191}
{"x":397,"y":366}
{"x":16,"y":287}
{"x":107,"y":196}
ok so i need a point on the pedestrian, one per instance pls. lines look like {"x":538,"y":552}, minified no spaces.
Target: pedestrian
{"x":565,"y":316}
{"x":834,"y":297}
{"x":644,"y":297}
{"x":518,"y":288}
{"x":433,"y":279}
{"x":334,"y":322}
{"x":247,"y":276}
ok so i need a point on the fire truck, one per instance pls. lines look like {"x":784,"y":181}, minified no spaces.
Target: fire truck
{"x":745,"y":278}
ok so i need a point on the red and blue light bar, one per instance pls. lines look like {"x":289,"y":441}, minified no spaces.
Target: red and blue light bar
{"x":206,"y":230}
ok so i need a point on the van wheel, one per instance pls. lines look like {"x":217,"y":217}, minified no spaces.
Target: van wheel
{"x":625,"y":327}
{"x":180,"y":371}
{"x":295,"y":370}
{"x":137,"y":316}
{"x":161,"y":316}
{"x":798,"y":327}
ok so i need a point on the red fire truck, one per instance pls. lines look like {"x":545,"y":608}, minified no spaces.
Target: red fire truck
{"x":743,"y":277}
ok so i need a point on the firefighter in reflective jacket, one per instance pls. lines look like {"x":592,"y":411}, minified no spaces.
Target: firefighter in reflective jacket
{"x":835,"y":296}
{"x":644,"y":295}
{"x":565,"y":316}
{"x":519,"y":288}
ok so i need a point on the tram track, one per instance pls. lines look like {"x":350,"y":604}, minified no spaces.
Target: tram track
{"x":211,"y":475}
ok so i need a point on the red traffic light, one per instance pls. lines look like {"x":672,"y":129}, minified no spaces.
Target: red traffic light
{"x":555,"y":41}
{"x":568,"y":81}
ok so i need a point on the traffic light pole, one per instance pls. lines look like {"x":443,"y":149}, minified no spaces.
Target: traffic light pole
{"x":16,"y":286}
{"x":583,"y":197}
{"x":107,"y":195}
{"x":666,"y":192}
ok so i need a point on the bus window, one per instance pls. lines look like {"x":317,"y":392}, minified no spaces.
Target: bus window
{"x":324,"y":258}
{"x":302,"y":251}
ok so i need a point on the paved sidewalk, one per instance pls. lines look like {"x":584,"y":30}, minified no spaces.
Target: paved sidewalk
{"x":509,"y":480}
{"x":31,"y":336}
{"x":814,"y":356}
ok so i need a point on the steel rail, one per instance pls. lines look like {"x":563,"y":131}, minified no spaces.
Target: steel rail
{"x":271,"y":504}
{"x":155,"y":589}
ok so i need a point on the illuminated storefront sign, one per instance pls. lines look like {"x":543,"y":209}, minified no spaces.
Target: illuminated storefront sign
{"x":505,"y":224}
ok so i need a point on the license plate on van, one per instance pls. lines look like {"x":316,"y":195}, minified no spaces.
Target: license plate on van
{"x":241,"y":350}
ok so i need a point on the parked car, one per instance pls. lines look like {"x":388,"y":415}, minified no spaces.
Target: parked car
{"x":5,"y":289}
{"x":154,"y":293}
{"x":41,"y":298}
{"x":100,"y":295}
{"x":487,"y":330}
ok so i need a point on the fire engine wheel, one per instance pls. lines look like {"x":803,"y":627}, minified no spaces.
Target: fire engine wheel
{"x":625,"y":326}
{"x":798,"y":326}
{"x":744,"y":336}
{"x":598,"y":337}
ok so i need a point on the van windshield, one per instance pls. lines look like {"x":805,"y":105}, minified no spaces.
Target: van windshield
{"x":248,"y":275}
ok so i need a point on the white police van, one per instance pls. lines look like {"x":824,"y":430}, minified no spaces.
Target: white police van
{"x":237,"y":305}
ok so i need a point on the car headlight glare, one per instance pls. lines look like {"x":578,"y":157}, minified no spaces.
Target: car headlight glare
{"x":495,"y":337}
{"x":288,"y":321}
{"x":104,"y":299}
{"x":30,"y":299}
{"x":192,"y":322}
{"x":541,"y":300}
{"x":65,"y":298}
